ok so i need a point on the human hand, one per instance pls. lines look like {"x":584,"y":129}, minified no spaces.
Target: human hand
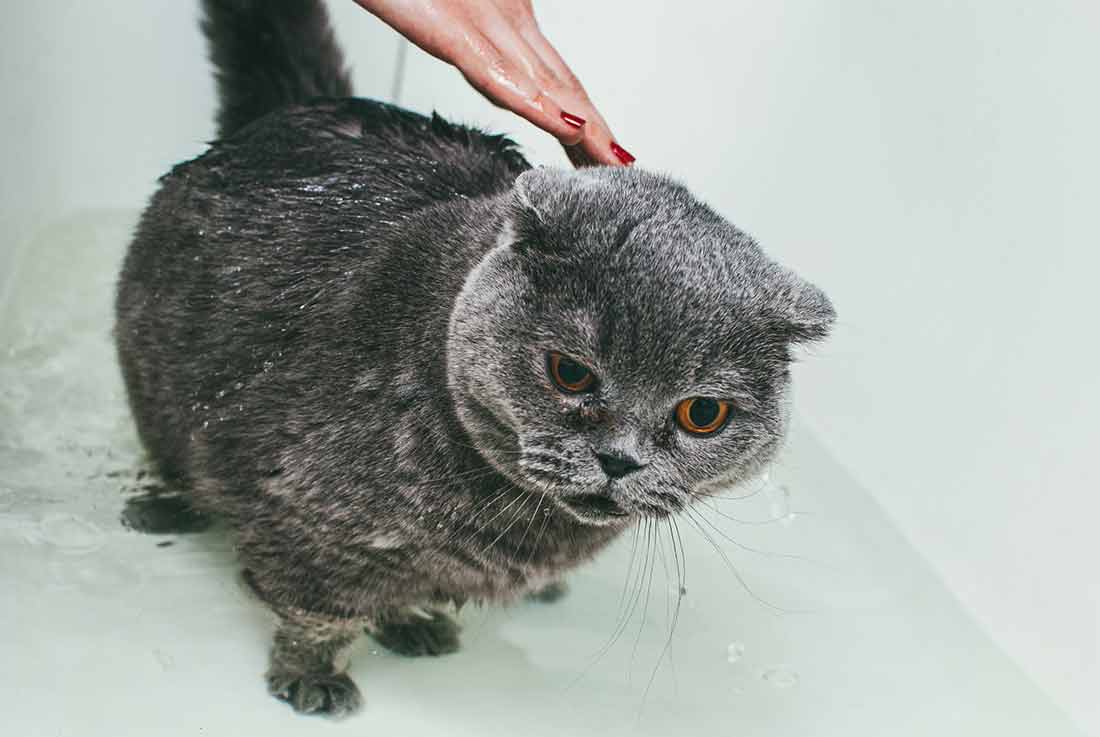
{"x":498,"y":47}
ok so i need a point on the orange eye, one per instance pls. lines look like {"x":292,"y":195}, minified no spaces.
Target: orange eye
{"x":569,"y":375}
{"x":702,"y":416}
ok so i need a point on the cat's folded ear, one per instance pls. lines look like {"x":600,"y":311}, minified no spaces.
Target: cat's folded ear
{"x":542,"y":200}
{"x":801,"y":312}
{"x":541,"y":191}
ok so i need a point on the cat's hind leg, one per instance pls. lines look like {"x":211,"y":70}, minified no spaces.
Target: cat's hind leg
{"x":308,"y":663}
{"x":415,"y":631}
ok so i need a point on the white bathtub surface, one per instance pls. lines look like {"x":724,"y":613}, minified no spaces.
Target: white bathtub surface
{"x":813,"y":618}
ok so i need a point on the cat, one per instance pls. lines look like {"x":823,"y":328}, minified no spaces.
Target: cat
{"x":410,"y":370}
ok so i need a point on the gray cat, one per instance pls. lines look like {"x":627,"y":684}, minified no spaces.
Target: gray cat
{"x":410,"y":370}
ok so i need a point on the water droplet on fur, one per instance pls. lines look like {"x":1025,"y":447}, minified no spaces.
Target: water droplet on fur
{"x":780,"y":677}
{"x":735,"y":651}
{"x":221,"y":393}
{"x":238,"y":385}
{"x":71,"y":534}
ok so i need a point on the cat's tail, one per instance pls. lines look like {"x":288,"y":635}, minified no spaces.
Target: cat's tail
{"x":270,"y":53}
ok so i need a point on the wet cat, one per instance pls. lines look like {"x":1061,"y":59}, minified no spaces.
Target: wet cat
{"x":411,"y":370}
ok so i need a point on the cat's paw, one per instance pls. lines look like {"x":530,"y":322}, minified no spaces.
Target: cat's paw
{"x":331,"y":694}
{"x":430,"y":633}
{"x":549,"y":593}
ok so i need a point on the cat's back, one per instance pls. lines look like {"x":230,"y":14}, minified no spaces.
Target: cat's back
{"x":288,"y":252}
{"x":334,"y":184}
{"x":354,"y":159}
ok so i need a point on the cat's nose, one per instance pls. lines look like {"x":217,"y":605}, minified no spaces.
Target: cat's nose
{"x":617,"y":465}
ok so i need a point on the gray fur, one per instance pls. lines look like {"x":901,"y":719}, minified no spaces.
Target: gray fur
{"x":333,"y":328}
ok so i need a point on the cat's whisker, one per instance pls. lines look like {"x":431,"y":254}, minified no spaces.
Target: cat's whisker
{"x":460,"y":529}
{"x":492,"y":519}
{"x":719,"y":497}
{"x":648,"y":591}
{"x":544,"y":478}
{"x":623,"y":616}
{"x":737,"y":574}
{"x":749,"y":548}
{"x":538,"y":538}
{"x":515,"y":518}
{"x":637,"y":585}
{"x":704,"y":501}
{"x":538,"y":507}
{"x":629,"y":566}
{"x":681,"y":576}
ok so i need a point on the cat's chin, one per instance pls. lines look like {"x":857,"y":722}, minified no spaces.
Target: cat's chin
{"x":595,"y":505}
{"x":596,"y":509}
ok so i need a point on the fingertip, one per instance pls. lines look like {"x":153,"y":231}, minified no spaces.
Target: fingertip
{"x":624,"y":156}
{"x":574,"y":131}
{"x":600,"y":144}
{"x":575,"y":121}
{"x":601,"y":152}
{"x":566,"y":134}
{"x":571,"y":141}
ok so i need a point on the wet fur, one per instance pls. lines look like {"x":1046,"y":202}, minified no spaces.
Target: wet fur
{"x":332,"y":326}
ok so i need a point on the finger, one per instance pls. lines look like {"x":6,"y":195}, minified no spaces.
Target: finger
{"x":511,"y":88}
{"x":579,"y":157}
{"x":599,"y":144}
{"x":514,"y":58}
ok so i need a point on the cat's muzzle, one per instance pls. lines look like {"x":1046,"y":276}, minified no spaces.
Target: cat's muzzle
{"x":596,"y":508}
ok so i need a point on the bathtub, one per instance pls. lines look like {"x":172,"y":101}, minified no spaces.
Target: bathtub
{"x":918,"y":562}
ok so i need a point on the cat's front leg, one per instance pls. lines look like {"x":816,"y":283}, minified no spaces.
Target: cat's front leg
{"x":308,"y":662}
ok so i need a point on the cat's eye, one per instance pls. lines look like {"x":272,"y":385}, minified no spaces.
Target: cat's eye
{"x":701,"y":415}
{"x":570,"y":376}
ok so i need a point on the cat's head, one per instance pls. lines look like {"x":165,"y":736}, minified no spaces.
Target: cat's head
{"x":623,"y":348}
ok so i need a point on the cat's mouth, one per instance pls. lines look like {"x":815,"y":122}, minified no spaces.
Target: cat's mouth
{"x":594,"y":507}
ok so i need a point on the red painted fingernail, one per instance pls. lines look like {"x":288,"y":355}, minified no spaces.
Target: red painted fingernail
{"x":622,"y":154}
{"x":574,"y":120}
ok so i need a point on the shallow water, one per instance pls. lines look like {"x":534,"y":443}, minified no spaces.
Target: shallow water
{"x":802,"y":611}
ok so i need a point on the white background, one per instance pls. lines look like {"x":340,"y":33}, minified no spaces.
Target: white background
{"x":932,"y":165}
